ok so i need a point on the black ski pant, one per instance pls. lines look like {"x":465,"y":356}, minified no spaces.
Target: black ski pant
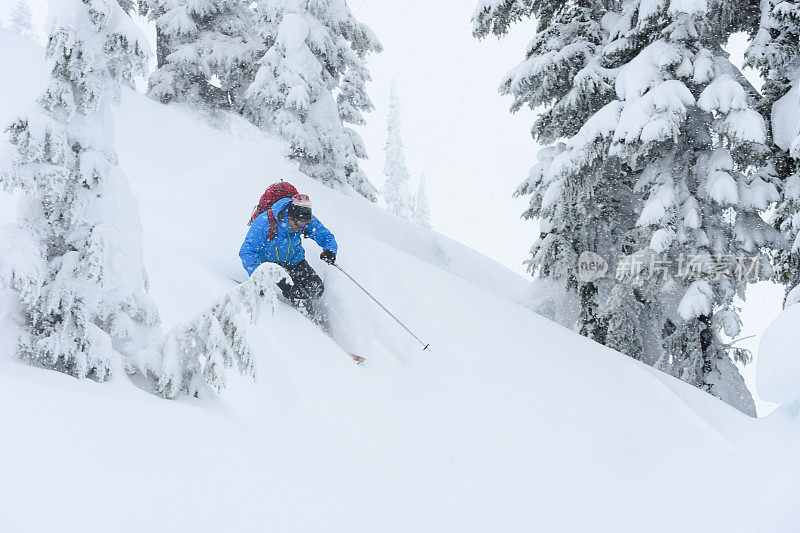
{"x":306,"y":283}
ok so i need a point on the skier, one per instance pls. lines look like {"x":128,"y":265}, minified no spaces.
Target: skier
{"x":274,"y":237}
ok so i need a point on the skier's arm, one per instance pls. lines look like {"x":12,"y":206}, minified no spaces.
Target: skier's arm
{"x":322,"y":235}
{"x":252,"y":251}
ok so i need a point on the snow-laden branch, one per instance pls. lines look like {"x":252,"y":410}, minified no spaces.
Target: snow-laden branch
{"x":197,"y":355}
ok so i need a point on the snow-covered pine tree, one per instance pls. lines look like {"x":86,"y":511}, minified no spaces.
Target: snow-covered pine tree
{"x":583,"y":202}
{"x":666,"y":118}
{"x":196,"y":356}
{"x":353,"y":102}
{"x":562,"y":72}
{"x":207,"y":52}
{"x":775,"y":51}
{"x":21,"y":19}
{"x":314,"y":48}
{"x":422,"y":208}
{"x":81,"y":283}
{"x":395,"y":190}
{"x":683,"y":124}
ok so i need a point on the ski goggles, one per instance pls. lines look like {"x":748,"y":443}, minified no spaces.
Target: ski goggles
{"x":301,"y":215}
{"x":302,"y":223}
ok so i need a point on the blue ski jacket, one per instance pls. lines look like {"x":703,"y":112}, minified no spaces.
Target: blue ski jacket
{"x":286,"y":248}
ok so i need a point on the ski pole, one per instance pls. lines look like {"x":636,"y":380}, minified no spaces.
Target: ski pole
{"x":424,"y":345}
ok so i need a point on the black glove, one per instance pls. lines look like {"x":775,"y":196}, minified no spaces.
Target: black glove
{"x":329,"y":256}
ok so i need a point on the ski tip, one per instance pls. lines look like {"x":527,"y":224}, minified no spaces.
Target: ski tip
{"x":357,"y":358}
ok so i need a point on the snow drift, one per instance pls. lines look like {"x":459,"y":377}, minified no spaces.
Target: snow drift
{"x":512,"y":424}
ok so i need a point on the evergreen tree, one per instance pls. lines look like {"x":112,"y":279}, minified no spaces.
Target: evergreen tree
{"x":80,"y":282}
{"x":395,"y":190}
{"x":422,"y":209}
{"x":196,"y":356}
{"x":684,"y":125}
{"x":206,"y":52}
{"x":21,"y":21}
{"x":582,"y":199}
{"x":775,"y":51}
{"x":656,"y":171}
{"x":353,"y":102}
{"x":314,"y":48}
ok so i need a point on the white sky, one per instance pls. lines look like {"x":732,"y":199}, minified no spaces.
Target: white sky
{"x":456,"y":128}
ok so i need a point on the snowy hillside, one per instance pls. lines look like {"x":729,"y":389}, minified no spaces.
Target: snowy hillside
{"x":511,"y":424}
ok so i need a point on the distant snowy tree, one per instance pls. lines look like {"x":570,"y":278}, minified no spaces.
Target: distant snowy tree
{"x":78,"y":274}
{"x":314,"y":48}
{"x":395,"y":190}
{"x":21,"y":21}
{"x":196,"y":356}
{"x":207,"y":51}
{"x":775,"y":51}
{"x":422,"y":209}
{"x":583,"y":202}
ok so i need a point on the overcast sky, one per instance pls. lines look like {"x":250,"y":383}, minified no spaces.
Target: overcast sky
{"x":456,"y":128}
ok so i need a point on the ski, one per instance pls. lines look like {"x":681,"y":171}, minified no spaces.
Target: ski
{"x":357,"y":358}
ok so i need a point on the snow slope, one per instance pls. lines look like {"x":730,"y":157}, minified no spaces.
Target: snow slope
{"x":511,"y":424}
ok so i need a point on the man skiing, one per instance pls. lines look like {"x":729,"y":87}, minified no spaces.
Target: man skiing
{"x":274,"y":237}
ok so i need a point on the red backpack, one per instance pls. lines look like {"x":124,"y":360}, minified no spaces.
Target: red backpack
{"x":275,"y":192}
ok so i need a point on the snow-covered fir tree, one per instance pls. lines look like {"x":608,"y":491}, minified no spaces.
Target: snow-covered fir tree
{"x":196,"y":356}
{"x":775,"y":51}
{"x":656,"y":171}
{"x":562,"y":71}
{"x":422,"y":208}
{"x":583,"y":203}
{"x":684,"y":124}
{"x":21,"y":19}
{"x":353,"y":102}
{"x":396,"y":190}
{"x":79,"y":279}
{"x":207,"y":51}
{"x":314,"y":49}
